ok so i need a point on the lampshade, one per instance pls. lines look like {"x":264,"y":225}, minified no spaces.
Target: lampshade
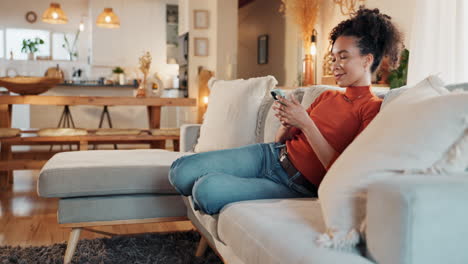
{"x":54,"y":15}
{"x":108,"y":19}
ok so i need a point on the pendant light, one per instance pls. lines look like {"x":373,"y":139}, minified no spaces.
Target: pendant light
{"x":54,"y":15}
{"x":108,"y":19}
{"x":81,"y":27}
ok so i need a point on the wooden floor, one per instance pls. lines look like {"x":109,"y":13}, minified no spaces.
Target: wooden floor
{"x":26,"y":219}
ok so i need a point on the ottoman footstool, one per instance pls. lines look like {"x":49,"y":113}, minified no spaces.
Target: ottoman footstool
{"x":109,"y":187}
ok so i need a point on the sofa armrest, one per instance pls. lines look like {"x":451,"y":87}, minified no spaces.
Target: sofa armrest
{"x":418,"y":219}
{"x":188,"y":137}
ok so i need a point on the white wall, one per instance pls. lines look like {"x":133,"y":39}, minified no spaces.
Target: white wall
{"x":258,"y":18}
{"x":143,"y":28}
{"x":292,"y":54}
{"x":227,"y":40}
{"x":222,"y":37}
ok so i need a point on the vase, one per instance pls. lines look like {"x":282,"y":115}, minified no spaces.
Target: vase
{"x":30,"y":56}
{"x":141,"y":91}
{"x":122,"y":79}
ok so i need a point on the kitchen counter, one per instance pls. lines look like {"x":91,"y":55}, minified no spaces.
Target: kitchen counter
{"x":98,"y":85}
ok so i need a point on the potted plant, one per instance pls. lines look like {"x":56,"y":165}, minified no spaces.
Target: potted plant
{"x":398,"y":77}
{"x":30,"y":47}
{"x":119,"y":72}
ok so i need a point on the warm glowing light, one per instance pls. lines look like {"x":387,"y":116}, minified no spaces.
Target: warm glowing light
{"x":108,"y":19}
{"x":205,"y":100}
{"x":54,"y":15}
{"x":81,"y":26}
{"x":313,"y":49}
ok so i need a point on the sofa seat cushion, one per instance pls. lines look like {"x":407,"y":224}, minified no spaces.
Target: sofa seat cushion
{"x":278,"y":231}
{"x":107,"y":172}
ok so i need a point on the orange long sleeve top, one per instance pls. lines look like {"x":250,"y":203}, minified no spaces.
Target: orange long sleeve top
{"x":340,"y":117}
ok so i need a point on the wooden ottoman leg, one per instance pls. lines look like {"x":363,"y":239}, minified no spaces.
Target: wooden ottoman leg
{"x":202,"y":245}
{"x":72,"y":242}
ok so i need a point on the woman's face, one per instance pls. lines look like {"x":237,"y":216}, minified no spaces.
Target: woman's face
{"x":349,"y":67}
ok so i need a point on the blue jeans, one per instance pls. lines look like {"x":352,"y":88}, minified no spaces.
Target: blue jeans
{"x":217,"y":178}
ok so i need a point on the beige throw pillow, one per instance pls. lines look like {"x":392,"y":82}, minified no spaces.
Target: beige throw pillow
{"x":414,"y":132}
{"x":231,"y":118}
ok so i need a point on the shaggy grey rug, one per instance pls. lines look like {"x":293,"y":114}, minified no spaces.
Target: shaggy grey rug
{"x":169,"y":248}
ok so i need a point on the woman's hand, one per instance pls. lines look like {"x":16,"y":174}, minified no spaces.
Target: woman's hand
{"x":291,"y":113}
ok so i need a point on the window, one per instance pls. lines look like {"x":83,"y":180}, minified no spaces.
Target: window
{"x":58,"y":50}
{"x":2,"y":48}
{"x":15,"y":37}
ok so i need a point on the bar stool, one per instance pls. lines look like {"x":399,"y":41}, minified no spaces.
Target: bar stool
{"x":66,"y":121}
{"x":105,"y":114}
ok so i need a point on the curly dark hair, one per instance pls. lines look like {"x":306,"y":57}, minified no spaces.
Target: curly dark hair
{"x":376,"y":35}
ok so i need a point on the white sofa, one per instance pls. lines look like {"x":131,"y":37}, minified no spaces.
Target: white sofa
{"x":418,"y":219}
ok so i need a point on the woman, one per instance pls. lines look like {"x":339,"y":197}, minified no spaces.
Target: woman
{"x":308,"y":140}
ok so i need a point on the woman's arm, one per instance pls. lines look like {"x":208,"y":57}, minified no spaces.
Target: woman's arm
{"x":283,"y":133}
{"x":324,"y":151}
{"x":293,"y":114}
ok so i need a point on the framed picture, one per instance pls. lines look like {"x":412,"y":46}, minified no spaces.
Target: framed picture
{"x":201,"y":19}
{"x":262,"y":49}
{"x":201,"y":47}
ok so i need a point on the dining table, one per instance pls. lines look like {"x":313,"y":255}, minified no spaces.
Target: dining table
{"x":153,"y":104}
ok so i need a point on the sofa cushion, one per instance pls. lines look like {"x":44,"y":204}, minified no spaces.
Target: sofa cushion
{"x":209,"y":222}
{"x":107,"y":172}
{"x":411,"y":134}
{"x":311,"y":93}
{"x":392,"y":94}
{"x":278,"y":231}
{"x":231,"y":118}
{"x":418,"y":219}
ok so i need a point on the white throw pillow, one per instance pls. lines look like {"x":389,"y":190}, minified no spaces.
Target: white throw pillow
{"x":231,"y":118}
{"x":414,"y":132}
{"x":268,"y":124}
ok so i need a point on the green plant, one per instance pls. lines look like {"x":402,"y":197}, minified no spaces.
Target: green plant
{"x":30,"y":45}
{"x":398,"y":77}
{"x":71,"y":48}
{"x":118,"y":70}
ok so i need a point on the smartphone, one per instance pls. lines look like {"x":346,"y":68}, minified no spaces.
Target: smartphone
{"x":278,"y":92}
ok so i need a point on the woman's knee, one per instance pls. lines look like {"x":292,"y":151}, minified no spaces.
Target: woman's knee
{"x":181,"y":175}
{"x":207,"y":193}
